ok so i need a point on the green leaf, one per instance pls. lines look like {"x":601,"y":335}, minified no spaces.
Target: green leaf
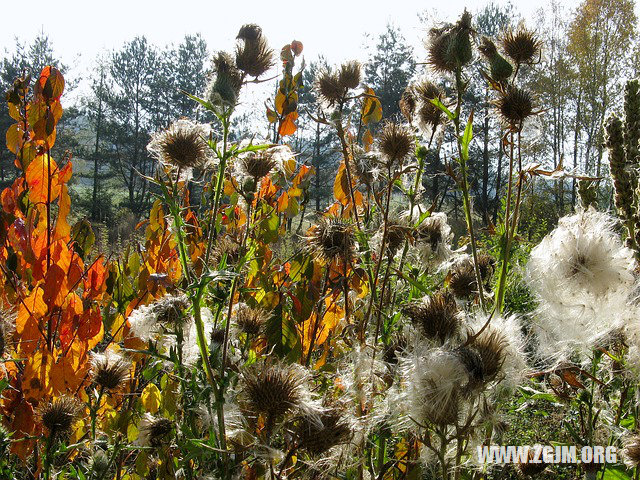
{"x":422,"y":218}
{"x":281,"y":332}
{"x":441,"y":106}
{"x":616,"y":473}
{"x":467,"y":137}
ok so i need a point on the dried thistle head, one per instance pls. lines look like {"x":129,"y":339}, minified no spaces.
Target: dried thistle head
{"x":319,"y":432}
{"x":450,"y":47}
{"x":251,"y":320}
{"x":253,"y":55}
{"x":58,"y":416}
{"x":257,"y":164}
{"x":521,"y":45}
{"x":473,"y":363}
{"x":183,"y":145}
{"x":109,"y":370}
{"x":437,"y":316}
{"x":225,"y":247}
{"x":408,"y":103}
{"x":217,"y":336}
{"x":396,"y":142}
{"x":272,"y":390}
{"x":462,"y":280}
{"x":515,"y":106}
{"x":154,"y":431}
{"x":169,"y":310}
{"x":227,"y":82}
{"x":631,"y":452}
{"x":531,"y":467}
{"x":332,"y":238}
{"x":329,"y":88}
{"x":397,"y":234}
{"x":429,"y":115}
{"x":491,"y":345}
{"x":350,"y":74}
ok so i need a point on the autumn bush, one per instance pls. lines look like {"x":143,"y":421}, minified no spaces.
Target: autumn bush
{"x":233,"y":337}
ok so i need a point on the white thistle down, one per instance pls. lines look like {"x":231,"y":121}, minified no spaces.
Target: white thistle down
{"x":582,"y":276}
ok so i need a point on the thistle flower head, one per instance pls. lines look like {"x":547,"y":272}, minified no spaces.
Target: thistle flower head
{"x":521,"y":45}
{"x":349,"y":75}
{"x":532,"y":466}
{"x":473,"y":363}
{"x":250,"y":320}
{"x":500,"y":68}
{"x":408,"y":103}
{"x":148,"y":321}
{"x":583,"y":277}
{"x":59,"y":415}
{"x":329,"y":88}
{"x":515,"y":106}
{"x":396,"y":142}
{"x":433,"y":236}
{"x":109,"y":369}
{"x":257,"y":164}
{"x":437,"y":316}
{"x":154,"y":431}
{"x":182,"y":146}
{"x":225,"y":247}
{"x":429,"y":115}
{"x":253,"y":55}
{"x":462,"y":277}
{"x":273,"y":390}
{"x":332,"y":238}
{"x":317,"y":432}
{"x":491,"y":345}
{"x":631,"y":452}
{"x":99,"y":464}
{"x":226,"y":83}
{"x":366,"y":166}
{"x":450,"y":47}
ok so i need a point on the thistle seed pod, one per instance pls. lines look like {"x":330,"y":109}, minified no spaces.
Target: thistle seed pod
{"x":58,"y":417}
{"x":437,"y":316}
{"x":491,"y":346}
{"x":408,"y":103}
{"x":253,"y":55}
{"x":349,"y":75}
{"x":272,"y":390}
{"x":109,"y":370}
{"x":225,"y":88}
{"x":450,"y":47}
{"x":329,"y":88}
{"x":319,"y":432}
{"x":332,"y":239}
{"x":396,"y":142}
{"x":631,"y":452}
{"x":429,"y":115}
{"x":515,"y":106}
{"x":155,"y":431}
{"x":473,"y":363}
{"x":500,"y":69}
{"x":257,"y":164}
{"x":182,"y":145}
{"x":251,"y":320}
{"x":521,"y":45}
{"x":529,"y":468}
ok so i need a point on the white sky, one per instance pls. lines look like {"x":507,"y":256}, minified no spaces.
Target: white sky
{"x":81,"y":29}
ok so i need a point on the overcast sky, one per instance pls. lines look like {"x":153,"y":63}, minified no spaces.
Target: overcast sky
{"x":335,"y":28}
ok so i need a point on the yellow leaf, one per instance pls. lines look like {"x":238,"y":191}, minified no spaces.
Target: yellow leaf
{"x":371,"y":108}
{"x":151,"y":398}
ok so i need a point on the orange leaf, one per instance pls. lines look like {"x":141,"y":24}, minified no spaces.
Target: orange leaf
{"x":50,"y":85}
{"x":341,"y":185}
{"x":287,"y":125}
{"x":42,"y":179}
{"x":23,"y":425}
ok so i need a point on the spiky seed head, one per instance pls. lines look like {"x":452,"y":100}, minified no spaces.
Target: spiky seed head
{"x":253,"y":55}
{"x":225,"y":247}
{"x":491,"y":345}
{"x":329,"y":88}
{"x":515,"y":106}
{"x":500,"y":68}
{"x":521,"y":45}
{"x":251,"y":320}
{"x":472,"y":361}
{"x":450,"y":47}
{"x":257,"y":164}
{"x":532,"y":466}
{"x":631,"y":452}
{"x":437,"y":316}
{"x":318,"y":432}
{"x":462,"y":280}
{"x":332,"y":238}
{"x":272,"y":390}
{"x":58,"y":416}
{"x":396,"y":236}
{"x":183,"y":145}
{"x":217,"y":336}
{"x":396,"y":142}
{"x":408,"y":103}
{"x":169,"y":310}
{"x":447,"y":412}
{"x":227,"y":82}
{"x":429,"y":115}
{"x":430,"y":231}
{"x":109,"y":369}
{"x":397,"y":344}
{"x":350,"y":75}
{"x":487,"y":266}
{"x":155,"y":431}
